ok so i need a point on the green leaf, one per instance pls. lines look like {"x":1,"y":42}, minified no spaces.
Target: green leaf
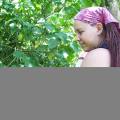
{"x":87,"y":3}
{"x":57,"y":2}
{"x":1,"y":64}
{"x":75,"y":46}
{"x":52,"y":43}
{"x":27,"y":61}
{"x":20,"y":36}
{"x":70,"y":11}
{"x":62,"y":36}
{"x":50,"y":27}
{"x":18,"y":54}
{"x":98,"y":2}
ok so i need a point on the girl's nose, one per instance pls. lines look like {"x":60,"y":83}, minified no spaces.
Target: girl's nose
{"x":79,"y":39}
{"x":78,"y":36}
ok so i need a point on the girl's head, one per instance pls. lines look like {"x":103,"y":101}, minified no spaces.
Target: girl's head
{"x":89,"y":25}
{"x":96,"y":25}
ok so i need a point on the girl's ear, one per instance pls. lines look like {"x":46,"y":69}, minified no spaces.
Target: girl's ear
{"x":99,"y":27}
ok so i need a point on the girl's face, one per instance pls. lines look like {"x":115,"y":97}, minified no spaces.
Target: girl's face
{"x":87,"y":35}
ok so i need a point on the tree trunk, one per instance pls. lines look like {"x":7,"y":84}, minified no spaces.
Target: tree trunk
{"x":113,"y":7}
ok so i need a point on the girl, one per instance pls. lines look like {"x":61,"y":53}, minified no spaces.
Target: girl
{"x":99,"y":34}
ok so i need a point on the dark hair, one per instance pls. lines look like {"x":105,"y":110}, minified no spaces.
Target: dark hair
{"x":112,"y":38}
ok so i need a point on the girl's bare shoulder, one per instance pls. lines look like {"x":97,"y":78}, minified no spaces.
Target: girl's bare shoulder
{"x":97,"y":51}
{"x":99,"y":57}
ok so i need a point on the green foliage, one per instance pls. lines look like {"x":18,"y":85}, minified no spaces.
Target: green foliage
{"x":39,"y":33}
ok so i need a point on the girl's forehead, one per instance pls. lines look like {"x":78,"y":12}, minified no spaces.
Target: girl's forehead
{"x":79,"y":25}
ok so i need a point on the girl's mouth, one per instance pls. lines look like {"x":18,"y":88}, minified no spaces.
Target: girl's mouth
{"x":83,"y":45}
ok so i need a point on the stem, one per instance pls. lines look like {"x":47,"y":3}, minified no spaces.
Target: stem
{"x":11,"y":62}
{"x":6,"y":57}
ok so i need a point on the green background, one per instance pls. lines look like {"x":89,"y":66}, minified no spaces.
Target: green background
{"x":39,"y":33}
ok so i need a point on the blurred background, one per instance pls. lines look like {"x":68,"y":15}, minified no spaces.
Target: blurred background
{"x":39,"y":33}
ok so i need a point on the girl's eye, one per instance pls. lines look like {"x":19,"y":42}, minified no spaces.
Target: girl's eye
{"x":80,"y":32}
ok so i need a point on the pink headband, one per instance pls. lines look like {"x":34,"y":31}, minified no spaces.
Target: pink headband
{"x":93,"y":15}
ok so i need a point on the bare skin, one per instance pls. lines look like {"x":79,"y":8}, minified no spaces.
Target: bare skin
{"x":89,"y":38}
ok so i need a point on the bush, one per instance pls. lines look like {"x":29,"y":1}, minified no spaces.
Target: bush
{"x":38,"y":33}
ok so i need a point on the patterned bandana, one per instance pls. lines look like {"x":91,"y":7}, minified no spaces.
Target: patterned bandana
{"x":92,"y":15}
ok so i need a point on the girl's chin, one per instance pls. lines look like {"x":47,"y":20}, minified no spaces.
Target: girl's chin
{"x":87,"y":48}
